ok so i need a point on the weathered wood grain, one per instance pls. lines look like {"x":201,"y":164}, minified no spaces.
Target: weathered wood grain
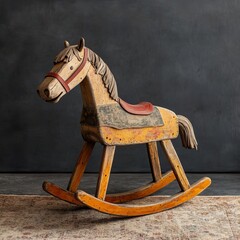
{"x":104,"y":174}
{"x":175,"y":164}
{"x":80,"y":166}
{"x":154,"y":161}
{"x":139,"y":210}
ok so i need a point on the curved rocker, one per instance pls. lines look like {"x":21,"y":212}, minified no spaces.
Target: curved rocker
{"x":133,"y":210}
{"x":107,"y":119}
{"x":60,"y":193}
{"x":141,"y":192}
{"x":138,"y":193}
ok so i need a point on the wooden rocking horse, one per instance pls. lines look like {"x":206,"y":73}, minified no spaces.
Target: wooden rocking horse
{"x":109,"y":120}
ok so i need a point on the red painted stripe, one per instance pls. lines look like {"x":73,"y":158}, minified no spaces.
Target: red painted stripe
{"x":80,"y":67}
{"x":60,"y":79}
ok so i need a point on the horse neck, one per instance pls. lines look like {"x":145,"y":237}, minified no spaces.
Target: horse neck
{"x":94,"y":93}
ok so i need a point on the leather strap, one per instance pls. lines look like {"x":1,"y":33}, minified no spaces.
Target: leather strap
{"x":60,"y":79}
{"x":82,"y":65}
{"x":65,"y":83}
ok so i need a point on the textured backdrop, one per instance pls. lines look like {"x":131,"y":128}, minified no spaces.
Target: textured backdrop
{"x":183,"y":55}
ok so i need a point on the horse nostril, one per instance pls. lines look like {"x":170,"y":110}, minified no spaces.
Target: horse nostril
{"x":46,"y":92}
{"x":38,"y":92}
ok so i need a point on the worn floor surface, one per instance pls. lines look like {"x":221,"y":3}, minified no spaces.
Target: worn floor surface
{"x":44,"y":217}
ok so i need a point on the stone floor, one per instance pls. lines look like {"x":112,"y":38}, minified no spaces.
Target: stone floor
{"x":13,"y":183}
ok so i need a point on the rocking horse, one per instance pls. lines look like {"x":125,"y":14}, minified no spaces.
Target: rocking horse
{"x":109,"y":120}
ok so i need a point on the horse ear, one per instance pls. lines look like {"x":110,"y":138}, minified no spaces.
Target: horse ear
{"x":81,"y":44}
{"x":66,"y":44}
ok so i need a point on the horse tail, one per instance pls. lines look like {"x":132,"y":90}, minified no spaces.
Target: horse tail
{"x":187,"y":133}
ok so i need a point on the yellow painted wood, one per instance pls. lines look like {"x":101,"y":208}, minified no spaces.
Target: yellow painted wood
{"x":138,"y":210}
{"x":112,"y":136}
{"x":169,"y":130}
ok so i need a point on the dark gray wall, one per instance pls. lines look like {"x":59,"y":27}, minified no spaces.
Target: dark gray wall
{"x":183,"y":55}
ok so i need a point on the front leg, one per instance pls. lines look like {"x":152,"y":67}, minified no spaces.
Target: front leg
{"x":68,"y":195}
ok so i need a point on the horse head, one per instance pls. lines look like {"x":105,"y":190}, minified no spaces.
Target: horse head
{"x":70,"y":68}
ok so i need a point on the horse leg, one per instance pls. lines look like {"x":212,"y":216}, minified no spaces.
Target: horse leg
{"x":68,"y":195}
{"x":154,"y":161}
{"x":175,"y":164}
{"x":80,"y":166}
{"x":104,"y":174}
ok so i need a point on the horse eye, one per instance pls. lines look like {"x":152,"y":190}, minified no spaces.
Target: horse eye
{"x":71,"y":67}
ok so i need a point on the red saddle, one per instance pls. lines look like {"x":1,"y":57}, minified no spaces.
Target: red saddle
{"x":143,"y":108}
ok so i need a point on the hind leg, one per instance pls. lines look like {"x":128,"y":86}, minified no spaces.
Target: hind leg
{"x":175,"y":164}
{"x":154,"y":161}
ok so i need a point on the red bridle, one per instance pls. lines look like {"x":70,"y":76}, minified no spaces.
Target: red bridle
{"x":65,"y":83}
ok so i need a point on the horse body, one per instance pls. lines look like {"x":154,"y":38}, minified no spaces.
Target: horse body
{"x":99,"y":90}
{"x":96,"y":96}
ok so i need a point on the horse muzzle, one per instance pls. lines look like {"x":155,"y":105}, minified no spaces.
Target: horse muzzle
{"x":50,"y":90}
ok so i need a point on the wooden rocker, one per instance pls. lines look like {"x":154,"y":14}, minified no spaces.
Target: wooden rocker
{"x":109,"y":120}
